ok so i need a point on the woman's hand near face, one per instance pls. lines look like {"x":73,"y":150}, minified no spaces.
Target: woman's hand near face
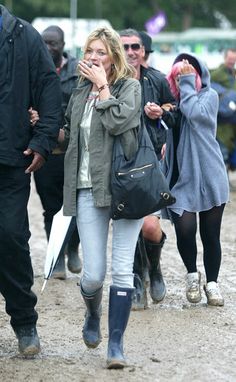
{"x":186,"y":68}
{"x":96,"y":74}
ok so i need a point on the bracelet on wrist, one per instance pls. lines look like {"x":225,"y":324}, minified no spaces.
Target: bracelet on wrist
{"x":103,"y":87}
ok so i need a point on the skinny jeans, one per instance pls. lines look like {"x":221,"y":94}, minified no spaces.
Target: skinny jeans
{"x":93,"y":225}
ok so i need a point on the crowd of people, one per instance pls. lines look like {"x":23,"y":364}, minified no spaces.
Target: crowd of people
{"x":59,"y":119}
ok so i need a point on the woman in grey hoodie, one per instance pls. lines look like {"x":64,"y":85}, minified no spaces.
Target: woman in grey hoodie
{"x":196,"y":173}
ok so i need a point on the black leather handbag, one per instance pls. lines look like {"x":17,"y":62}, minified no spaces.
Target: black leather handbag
{"x":138,"y":185}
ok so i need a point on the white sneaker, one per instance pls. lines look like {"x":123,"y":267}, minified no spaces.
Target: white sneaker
{"x":193,"y":288}
{"x":213,"y":294}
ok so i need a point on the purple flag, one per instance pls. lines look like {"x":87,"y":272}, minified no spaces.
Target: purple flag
{"x":156,"y":23}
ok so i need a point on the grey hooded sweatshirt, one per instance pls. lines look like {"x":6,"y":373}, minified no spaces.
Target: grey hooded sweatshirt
{"x":202,"y":181}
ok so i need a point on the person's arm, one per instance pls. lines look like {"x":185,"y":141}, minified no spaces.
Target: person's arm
{"x":121,"y":113}
{"x":162,"y":95}
{"x":45,"y":95}
{"x":34,"y":118}
{"x":197,"y":109}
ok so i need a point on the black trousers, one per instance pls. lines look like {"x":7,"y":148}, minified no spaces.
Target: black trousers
{"x":16,"y":273}
{"x":49,"y":182}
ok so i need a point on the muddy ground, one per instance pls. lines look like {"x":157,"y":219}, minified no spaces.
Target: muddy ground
{"x":172,"y":341}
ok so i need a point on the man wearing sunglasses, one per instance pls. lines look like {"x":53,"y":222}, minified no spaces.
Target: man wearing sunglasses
{"x":155,"y":92}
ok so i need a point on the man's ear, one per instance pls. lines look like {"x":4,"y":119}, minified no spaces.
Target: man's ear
{"x":142,"y":51}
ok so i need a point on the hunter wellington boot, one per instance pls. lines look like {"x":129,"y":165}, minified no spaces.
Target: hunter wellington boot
{"x":140,"y":269}
{"x":119,"y":310}
{"x":91,"y":330}
{"x":157,"y":285}
{"x":74,"y":263}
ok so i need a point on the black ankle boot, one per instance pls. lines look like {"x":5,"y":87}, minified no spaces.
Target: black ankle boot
{"x":119,"y":310}
{"x":157,"y":285}
{"x":91,"y":330}
{"x":28,"y":340}
{"x":140,"y":269}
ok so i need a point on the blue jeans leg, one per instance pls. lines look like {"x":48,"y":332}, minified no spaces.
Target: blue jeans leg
{"x":93,"y":226}
{"x":125,"y":236}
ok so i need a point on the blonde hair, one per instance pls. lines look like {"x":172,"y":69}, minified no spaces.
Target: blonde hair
{"x":111,"y":40}
{"x":174,"y":72}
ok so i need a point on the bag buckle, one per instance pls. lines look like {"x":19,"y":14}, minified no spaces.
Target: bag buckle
{"x":120,"y":207}
{"x":165,"y":195}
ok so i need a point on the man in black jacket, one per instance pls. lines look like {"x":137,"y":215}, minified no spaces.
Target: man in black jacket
{"x":49,"y":179}
{"x":27,"y":79}
{"x":155,"y":92}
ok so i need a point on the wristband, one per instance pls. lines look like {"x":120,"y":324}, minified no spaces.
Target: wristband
{"x":103,"y":87}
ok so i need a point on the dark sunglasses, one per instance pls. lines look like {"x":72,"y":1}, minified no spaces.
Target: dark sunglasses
{"x":134,"y":46}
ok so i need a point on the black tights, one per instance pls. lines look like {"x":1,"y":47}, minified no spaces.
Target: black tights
{"x":209,"y":224}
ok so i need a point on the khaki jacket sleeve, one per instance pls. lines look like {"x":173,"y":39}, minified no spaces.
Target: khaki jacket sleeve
{"x":122,"y":113}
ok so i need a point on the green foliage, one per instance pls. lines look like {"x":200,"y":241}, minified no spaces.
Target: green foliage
{"x":29,"y":9}
{"x":181,"y":14}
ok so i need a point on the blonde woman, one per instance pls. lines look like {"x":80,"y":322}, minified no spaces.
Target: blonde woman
{"x":105,"y":104}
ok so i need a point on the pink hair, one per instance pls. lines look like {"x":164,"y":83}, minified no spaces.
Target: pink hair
{"x":175,"y":71}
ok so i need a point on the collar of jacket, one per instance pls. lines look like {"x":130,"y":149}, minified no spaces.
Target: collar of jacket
{"x":8,"y":20}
